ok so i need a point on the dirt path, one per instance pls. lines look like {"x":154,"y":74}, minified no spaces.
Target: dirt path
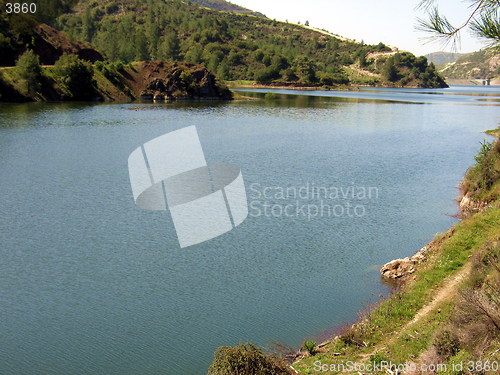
{"x":446,"y":293}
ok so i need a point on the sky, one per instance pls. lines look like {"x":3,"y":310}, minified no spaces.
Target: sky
{"x":389,"y":21}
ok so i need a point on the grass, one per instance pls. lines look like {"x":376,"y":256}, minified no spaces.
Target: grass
{"x":358,"y":78}
{"x":240,"y":82}
{"x":9,"y":75}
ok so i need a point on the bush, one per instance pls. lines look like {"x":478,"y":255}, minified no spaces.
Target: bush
{"x":446,"y":344}
{"x":76,"y":75}
{"x":486,"y":172}
{"x":486,"y":147}
{"x":29,"y":72}
{"x":110,"y":70}
{"x":246,"y":359}
{"x":332,"y":79}
{"x":266,"y":75}
{"x":378,"y":359}
{"x":457,"y":365}
{"x":187,"y":80}
{"x":353,"y":336}
{"x":310,"y":346}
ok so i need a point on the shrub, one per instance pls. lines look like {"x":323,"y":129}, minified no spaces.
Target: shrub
{"x":266,"y":75}
{"x":378,"y":359}
{"x":486,"y":172}
{"x":458,"y":364}
{"x":446,"y":344}
{"x":246,"y":359}
{"x":486,"y":147}
{"x":332,"y":79}
{"x":310,"y":346}
{"x":187,"y":80}
{"x":353,"y":336}
{"x":76,"y":75}
{"x":29,"y":72}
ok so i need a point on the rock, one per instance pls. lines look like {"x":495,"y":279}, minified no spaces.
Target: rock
{"x":400,"y":268}
{"x":469,"y":206}
{"x":397,"y":268}
{"x":178,"y":81}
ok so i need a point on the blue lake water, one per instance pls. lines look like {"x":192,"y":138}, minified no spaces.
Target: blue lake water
{"x":90,"y":284}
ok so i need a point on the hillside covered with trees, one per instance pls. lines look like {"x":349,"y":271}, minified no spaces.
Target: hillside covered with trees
{"x":106,"y":40}
{"x":238,"y":47}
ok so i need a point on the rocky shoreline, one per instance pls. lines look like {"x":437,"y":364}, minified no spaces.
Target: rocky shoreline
{"x":401,"y":268}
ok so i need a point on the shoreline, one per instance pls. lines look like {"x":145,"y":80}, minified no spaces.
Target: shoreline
{"x":398,"y":272}
{"x":320,"y":88}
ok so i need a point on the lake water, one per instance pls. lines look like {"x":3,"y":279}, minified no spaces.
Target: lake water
{"x":90,"y":284}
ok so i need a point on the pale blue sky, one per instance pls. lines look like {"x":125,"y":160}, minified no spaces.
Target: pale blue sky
{"x":389,"y":21}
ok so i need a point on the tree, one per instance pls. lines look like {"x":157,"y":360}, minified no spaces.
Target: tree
{"x":141,"y":46}
{"x":170,"y":47}
{"x":390,"y":71}
{"x":482,"y":20}
{"x":29,"y":72}
{"x":87,"y":26}
{"x":305,"y":69}
{"x":76,"y":75}
{"x":307,"y":23}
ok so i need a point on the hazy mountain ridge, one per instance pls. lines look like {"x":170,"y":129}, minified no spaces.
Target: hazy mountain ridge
{"x":476,"y":65}
{"x":442,"y":57}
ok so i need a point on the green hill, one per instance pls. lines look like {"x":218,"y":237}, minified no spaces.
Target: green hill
{"x":233,"y":46}
{"x":477,"y":65}
{"x":238,"y":47}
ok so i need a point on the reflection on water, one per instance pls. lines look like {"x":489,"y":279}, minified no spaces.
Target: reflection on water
{"x":453,"y":95}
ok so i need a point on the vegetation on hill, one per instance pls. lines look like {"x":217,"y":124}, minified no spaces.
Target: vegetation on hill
{"x":22,"y":32}
{"x":477,"y":65}
{"x":440,"y":58}
{"x":224,"y":6}
{"x":74,"y":79}
{"x":237,"y":47}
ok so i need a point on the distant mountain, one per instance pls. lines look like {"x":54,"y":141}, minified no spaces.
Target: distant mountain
{"x":476,"y":65}
{"x":224,"y":6}
{"x":441,"y":57}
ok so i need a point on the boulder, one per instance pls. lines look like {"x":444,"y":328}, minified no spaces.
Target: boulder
{"x":400,"y":268}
